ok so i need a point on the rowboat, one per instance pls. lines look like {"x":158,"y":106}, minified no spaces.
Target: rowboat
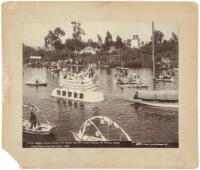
{"x":40,"y":129}
{"x":96,"y":123}
{"x":123,"y":76}
{"x":36,"y":80}
{"x":32,"y":83}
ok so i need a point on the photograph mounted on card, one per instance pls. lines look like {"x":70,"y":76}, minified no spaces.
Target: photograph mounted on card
{"x":108,"y":84}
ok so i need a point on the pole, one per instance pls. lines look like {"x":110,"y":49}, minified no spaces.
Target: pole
{"x":121,"y":57}
{"x":110,"y":58}
{"x":153,"y":57}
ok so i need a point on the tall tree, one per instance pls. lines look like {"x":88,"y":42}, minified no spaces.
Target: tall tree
{"x":108,"y":41}
{"x":53,"y":39}
{"x":78,"y":31}
{"x":99,"y":39}
{"x":69,"y":44}
{"x":174,"y":42}
{"x":158,"y":37}
{"x":174,"y":38}
{"x":118,"y":42}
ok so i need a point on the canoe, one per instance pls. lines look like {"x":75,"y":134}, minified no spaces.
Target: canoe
{"x":36,"y":84}
{"x":157,"y":104}
{"x":42,"y":129}
{"x":36,"y":81}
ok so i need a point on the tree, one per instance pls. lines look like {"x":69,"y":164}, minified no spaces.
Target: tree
{"x":108,"y":41}
{"x":158,"y":37}
{"x":53,"y":39}
{"x":99,"y":39}
{"x":69,"y":44}
{"x":27,"y":52}
{"x":174,"y":38}
{"x":174,"y":42}
{"x":78,"y":31}
{"x":119,"y":44}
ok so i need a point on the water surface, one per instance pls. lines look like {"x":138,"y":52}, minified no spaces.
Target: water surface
{"x":142,"y":123}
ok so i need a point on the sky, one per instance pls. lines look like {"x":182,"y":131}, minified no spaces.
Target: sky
{"x":34,"y":33}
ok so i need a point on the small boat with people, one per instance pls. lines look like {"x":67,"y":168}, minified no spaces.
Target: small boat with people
{"x":39,"y":129}
{"x":36,"y":79}
{"x":54,"y":71}
{"x":165,"y":77}
{"x":125,"y":79}
{"x":35,"y":127}
{"x":97,"y":128}
{"x":167,"y":72}
{"x":159,"y":98}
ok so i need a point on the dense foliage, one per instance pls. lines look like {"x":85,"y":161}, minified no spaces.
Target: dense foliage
{"x":126,"y":56}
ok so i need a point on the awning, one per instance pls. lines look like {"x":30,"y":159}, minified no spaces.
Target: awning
{"x":35,"y":57}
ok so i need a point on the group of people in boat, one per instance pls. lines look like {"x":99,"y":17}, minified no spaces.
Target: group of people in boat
{"x":121,"y":73}
{"x":122,"y":76}
{"x":165,"y":75}
{"x":32,"y":125}
{"x":90,"y":72}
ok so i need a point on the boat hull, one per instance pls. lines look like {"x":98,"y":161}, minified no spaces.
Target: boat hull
{"x":165,"y":80}
{"x":36,"y":84}
{"x":77,"y":137}
{"x":36,"y":132}
{"x":133,"y":85}
{"x":156,"y":104}
{"x":77,"y":95}
{"x":42,"y":129}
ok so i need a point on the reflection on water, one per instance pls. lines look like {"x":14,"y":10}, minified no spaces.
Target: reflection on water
{"x":142,"y":123}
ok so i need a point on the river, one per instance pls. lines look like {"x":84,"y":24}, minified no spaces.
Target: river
{"x":142,"y":123}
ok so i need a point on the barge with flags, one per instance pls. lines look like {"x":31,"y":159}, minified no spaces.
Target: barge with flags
{"x":79,"y":87}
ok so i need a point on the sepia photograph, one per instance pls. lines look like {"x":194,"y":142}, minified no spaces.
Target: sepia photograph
{"x":100,"y":84}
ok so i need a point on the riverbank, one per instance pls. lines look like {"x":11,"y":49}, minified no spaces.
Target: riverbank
{"x":131,"y":58}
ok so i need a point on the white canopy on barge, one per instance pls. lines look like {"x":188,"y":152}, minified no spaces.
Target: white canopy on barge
{"x":162,"y":95}
{"x":162,"y":98}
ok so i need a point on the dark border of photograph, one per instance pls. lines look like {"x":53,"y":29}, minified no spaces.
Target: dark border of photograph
{"x":97,"y":144}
